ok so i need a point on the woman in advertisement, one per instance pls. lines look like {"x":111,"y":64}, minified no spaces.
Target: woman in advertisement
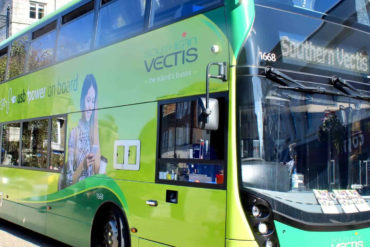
{"x":83,"y":146}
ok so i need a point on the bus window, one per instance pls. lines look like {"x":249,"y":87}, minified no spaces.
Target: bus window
{"x":18,"y":56}
{"x":10,"y":144}
{"x":165,"y":11}
{"x":35,"y":143}
{"x":346,"y":12}
{"x":119,"y":19}
{"x":42,"y":47}
{"x":188,"y":153}
{"x":3,"y":59}
{"x":75,"y":35}
{"x":57,"y":143}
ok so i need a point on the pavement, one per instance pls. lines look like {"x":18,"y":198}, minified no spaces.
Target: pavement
{"x":16,"y":236}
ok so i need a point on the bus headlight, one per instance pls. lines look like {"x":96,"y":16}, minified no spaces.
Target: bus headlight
{"x":256,"y":212}
{"x":269,"y":243}
{"x":260,"y":217}
{"x":263,"y":228}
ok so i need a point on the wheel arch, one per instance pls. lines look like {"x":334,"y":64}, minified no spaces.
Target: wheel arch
{"x":105,"y":206}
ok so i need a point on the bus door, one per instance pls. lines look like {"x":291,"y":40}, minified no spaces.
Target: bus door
{"x":187,"y":205}
{"x":184,"y":216}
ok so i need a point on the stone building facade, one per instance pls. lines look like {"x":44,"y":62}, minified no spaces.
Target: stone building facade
{"x":24,"y":12}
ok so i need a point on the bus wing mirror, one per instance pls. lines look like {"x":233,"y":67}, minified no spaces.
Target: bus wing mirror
{"x":210,"y":120}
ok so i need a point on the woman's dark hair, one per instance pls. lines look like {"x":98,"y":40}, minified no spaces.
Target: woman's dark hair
{"x":88,"y":82}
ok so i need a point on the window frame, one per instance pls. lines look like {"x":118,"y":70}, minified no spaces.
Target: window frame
{"x":49,"y":118}
{"x":223,"y":162}
{"x":37,"y":7}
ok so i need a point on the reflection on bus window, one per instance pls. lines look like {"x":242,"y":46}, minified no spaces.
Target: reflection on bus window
{"x":35,"y":143}
{"x":57,"y":143}
{"x":165,"y":11}
{"x":75,"y":36}
{"x":3,"y":59}
{"x":42,"y":48}
{"x":18,"y":56}
{"x":350,"y":11}
{"x":182,"y":139}
{"x":298,"y":141}
{"x":187,"y":152}
{"x":10,"y":144}
{"x":191,"y":172}
{"x":119,"y":19}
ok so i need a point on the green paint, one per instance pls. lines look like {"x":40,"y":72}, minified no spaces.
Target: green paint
{"x":240,"y":17}
{"x":290,"y":236}
{"x":132,"y":87}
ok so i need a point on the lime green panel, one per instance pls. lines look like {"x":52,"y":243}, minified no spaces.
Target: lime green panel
{"x":129,"y":72}
{"x":23,"y":183}
{"x":134,"y":241}
{"x":132,"y":152}
{"x":290,"y":236}
{"x":9,"y":190}
{"x":236,"y":225}
{"x":120,"y":154}
{"x":239,"y":243}
{"x":198,"y":219}
{"x":148,"y":243}
{"x":240,"y":17}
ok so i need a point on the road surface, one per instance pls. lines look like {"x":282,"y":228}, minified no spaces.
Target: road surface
{"x":15,"y":236}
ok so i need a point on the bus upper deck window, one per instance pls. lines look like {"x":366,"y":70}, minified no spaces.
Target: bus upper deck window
{"x":119,"y":19}
{"x":165,"y":11}
{"x":18,"y":56}
{"x":75,"y":35}
{"x":42,"y":47}
{"x":3,"y":60}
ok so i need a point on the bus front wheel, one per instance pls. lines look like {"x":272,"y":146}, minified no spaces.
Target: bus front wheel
{"x":109,"y":230}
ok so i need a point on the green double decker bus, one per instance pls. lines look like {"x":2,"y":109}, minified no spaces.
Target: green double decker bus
{"x":190,"y":123}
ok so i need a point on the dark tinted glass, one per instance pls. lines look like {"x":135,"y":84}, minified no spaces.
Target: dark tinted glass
{"x":57,"y":143}
{"x":187,"y":152}
{"x":42,"y":51}
{"x":310,"y":45}
{"x":191,"y":172}
{"x":346,"y":11}
{"x":3,"y":60}
{"x":295,"y":143}
{"x":18,"y":56}
{"x":182,"y":139}
{"x":32,"y":10}
{"x":120,"y":19}
{"x":10,"y":144}
{"x":35,"y":143}
{"x":75,"y":36}
{"x":165,"y":11}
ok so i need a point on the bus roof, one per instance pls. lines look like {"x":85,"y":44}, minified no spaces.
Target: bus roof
{"x":40,"y":22}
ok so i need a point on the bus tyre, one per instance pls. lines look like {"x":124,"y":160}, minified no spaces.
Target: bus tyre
{"x":110,"y":230}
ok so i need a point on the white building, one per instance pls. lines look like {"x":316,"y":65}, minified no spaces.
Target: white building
{"x":24,"y":13}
